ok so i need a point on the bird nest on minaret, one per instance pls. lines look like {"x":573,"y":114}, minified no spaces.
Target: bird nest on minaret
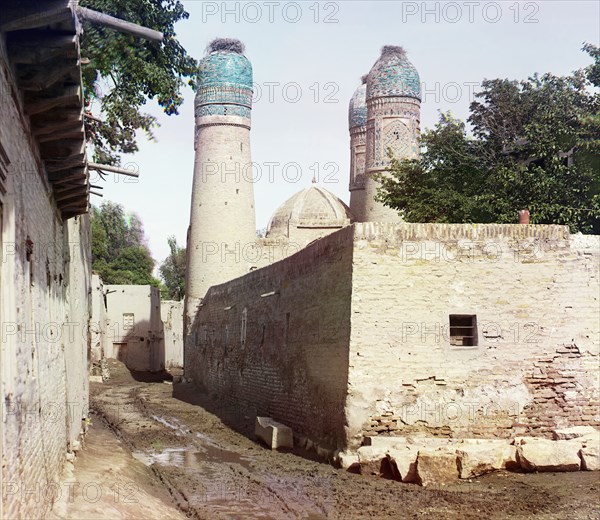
{"x":226,"y":44}
{"x":393,"y":50}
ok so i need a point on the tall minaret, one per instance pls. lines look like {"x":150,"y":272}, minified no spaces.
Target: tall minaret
{"x":222,"y":220}
{"x":393,"y":113}
{"x":357,"y":123}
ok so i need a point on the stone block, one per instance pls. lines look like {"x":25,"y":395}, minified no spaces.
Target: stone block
{"x":436,"y":467}
{"x":348,"y":459}
{"x":575,"y":432}
{"x":403,"y":463}
{"x":590,"y":452}
{"x":273,"y":434}
{"x":370,"y":459}
{"x":546,"y":455}
{"x":384,"y":442}
{"x":478,"y":459}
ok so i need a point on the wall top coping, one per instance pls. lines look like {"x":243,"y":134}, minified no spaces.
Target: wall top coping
{"x":402,"y":231}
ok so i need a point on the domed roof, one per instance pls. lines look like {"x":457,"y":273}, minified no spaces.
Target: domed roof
{"x":312,"y":207}
{"x":225,"y":65}
{"x":393,"y":75}
{"x":357,"y":111}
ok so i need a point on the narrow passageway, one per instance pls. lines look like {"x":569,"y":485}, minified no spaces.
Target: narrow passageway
{"x":211,"y":471}
{"x":107,"y":482}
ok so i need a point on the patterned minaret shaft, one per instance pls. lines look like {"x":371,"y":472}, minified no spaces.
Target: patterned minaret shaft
{"x":222,"y":218}
{"x":393,"y":113}
{"x":357,"y":123}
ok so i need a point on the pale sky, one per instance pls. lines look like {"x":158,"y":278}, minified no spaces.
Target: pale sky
{"x":308,"y":58}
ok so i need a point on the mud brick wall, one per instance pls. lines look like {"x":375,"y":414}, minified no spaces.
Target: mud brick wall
{"x":534,"y":290}
{"x":134,"y":330}
{"x":44,"y":313}
{"x":275,"y":341}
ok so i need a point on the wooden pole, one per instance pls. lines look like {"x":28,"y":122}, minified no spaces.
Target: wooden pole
{"x":119,"y":25}
{"x":113,"y":169}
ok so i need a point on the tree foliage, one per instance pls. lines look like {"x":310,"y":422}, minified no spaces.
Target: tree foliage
{"x":535,"y":145}
{"x":172,"y":272}
{"x":119,"y":251}
{"x":125,"y":71}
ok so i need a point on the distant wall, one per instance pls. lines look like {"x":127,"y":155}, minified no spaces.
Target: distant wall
{"x":98,"y":321}
{"x":275,"y":341}
{"x":534,"y":290}
{"x":171,"y":313}
{"x":134,"y":328}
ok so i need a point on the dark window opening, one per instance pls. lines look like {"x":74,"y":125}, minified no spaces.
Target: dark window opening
{"x":463,"y":330}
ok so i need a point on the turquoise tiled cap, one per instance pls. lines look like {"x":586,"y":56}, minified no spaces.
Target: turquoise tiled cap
{"x":225,"y":80}
{"x":393,"y":75}
{"x":357,"y":111}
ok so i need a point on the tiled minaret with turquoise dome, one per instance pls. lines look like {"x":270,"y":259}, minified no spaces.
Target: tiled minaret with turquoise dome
{"x":393,"y":99}
{"x":222,"y":217}
{"x":357,"y":123}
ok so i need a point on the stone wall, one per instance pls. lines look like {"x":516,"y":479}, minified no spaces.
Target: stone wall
{"x":134,"y":327}
{"x":534,"y":291}
{"x":44,"y":313}
{"x":275,"y":341}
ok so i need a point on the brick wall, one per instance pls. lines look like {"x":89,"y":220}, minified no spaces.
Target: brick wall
{"x":534,"y":290}
{"x":291,"y":363}
{"x":392,"y":369}
{"x":44,"y":282}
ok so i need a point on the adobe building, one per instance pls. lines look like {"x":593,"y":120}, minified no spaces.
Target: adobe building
{"x":45,"y":266}
{"x":370,"y":328}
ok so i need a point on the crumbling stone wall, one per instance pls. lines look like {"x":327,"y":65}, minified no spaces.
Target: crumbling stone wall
{"x":534,"y":290}
{"x":275,"y":341}
{"x":44,"y":313}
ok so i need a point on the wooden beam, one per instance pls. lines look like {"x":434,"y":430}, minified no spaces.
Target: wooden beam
{"x":59,"y":181}
{"x":46,"y":76}
{"x":63,"y":189}
{"x":73,"y":133}
{"x":66,"y":163}
{"x":75,"y":204}
{"x":29,"y":15}
{"x":70,"y":95}
{"x":46,"y":126}
{"x":37,"y":50}
{"x":92,"y":117}
{"x":119,"y":25}
{"x":112,"y":169}
{"x":78,"y":192}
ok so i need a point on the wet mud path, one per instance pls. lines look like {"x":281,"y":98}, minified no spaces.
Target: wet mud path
{"x":215,"y":472}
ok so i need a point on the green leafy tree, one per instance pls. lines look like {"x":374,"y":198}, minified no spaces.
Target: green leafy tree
{"x":172,"y":272}
{"x":534,"y":146}
{"x":126,"y":71}
{"x":119,"y":251}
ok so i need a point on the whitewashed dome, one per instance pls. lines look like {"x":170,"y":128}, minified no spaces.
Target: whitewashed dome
{"x":312,"y":207}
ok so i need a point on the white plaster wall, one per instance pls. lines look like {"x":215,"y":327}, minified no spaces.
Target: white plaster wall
{"x":171,"y":313}
{"x":139,"y":344}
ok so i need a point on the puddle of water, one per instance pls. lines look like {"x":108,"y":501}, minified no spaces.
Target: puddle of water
{"x":189,"y":458}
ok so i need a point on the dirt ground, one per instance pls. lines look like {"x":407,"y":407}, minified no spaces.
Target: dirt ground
{"x":215,"y":472}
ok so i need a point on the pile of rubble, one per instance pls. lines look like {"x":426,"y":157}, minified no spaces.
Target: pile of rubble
{"x":439,"y":461}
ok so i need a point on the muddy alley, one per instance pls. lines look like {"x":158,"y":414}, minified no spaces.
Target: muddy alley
{"x":212,"y":471}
